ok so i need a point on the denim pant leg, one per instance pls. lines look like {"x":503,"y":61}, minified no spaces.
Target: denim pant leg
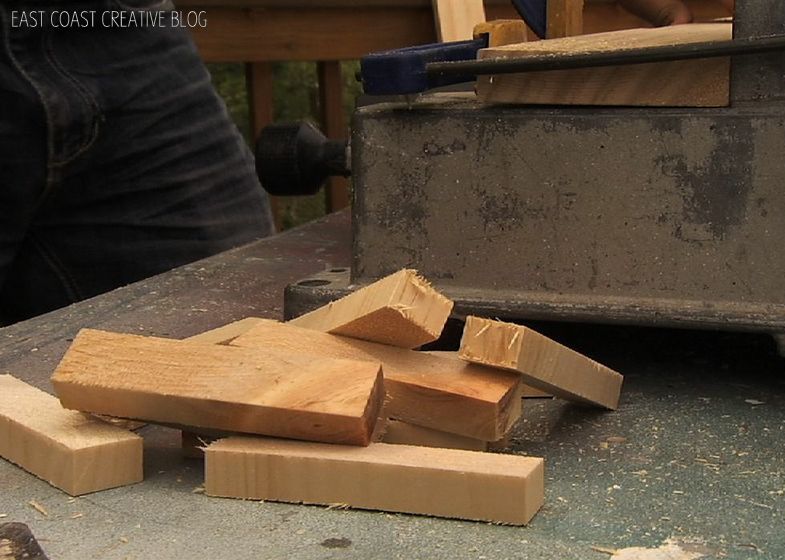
{"x":146,"y":170}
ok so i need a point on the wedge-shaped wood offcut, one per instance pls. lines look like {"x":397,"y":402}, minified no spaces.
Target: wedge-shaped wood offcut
{"x":440,"y":393}
{"x":400,"y":478}
{"x":72,"y":451}
{"x":403,"y":433}
{"x":400,"y":310}
{"x":263,"y":391}
{"x":543,"y":363}
{"x":683,"y":83}
{"x":226,"y":333}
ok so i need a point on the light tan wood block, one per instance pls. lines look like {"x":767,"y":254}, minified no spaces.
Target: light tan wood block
{"x":225,"y":333}
{"x":72,"y":451}
{"x":398,"y":478}
{"x":400,"y":310}
{"x":685,"y":83}
{"x":445,"y":394}
{"x":403,"y":433}
{"x":455,"y":19}
{"x":542,"y":363}
{"x":284,"y":394}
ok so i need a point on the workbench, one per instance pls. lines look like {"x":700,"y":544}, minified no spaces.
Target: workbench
{"x":694,"y":454}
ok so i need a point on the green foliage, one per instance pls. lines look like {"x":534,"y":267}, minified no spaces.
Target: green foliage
{"x":295,"y":97}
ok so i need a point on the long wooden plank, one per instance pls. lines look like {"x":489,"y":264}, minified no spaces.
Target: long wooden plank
{"x":71,"y":451}
{"x":686,"y":83}
{"x":399,"y":478}
{"x":431,"y":391}
{"x":455,"y":19}
{"x":400,"y":310}
{"x":542,"y":363}
{"x":221,"y":387}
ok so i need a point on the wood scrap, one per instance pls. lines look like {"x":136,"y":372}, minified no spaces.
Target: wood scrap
{"x":399,"y":478}
{"x":399,"y":310}
{"x":221,"y":387}
{"x":403,"y":433}
{"x":440,"y":393}
{"x":542,"y":363}
{"x":74,"y":452}
{"x":225,"y":333}
{"x":684,"y":83}
{"x":527,"y":392}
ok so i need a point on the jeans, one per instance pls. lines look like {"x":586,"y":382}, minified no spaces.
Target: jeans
{"x":118,"y":160}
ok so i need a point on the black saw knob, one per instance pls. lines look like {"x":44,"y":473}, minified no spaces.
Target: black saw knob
{"x":296,"y":159}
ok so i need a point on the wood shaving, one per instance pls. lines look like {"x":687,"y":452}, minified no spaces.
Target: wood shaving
{"x":39,"y":508}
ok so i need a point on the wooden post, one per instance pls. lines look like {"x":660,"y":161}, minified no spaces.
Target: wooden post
{"x":565,"y":18}
{"x":334,"y":126}
{"x":259,"y":82}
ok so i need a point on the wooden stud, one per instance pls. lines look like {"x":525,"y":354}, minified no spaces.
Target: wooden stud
{"x":684,"y":83}
{"x":440,"y":393}
{"x":221,"y":387}
{"x":455,"y":19}
{"x":400,"y":310}
{"x":542,"y":363}
{"x":71,"y":451}
{"x":565,"y":18}
{"x":400,"y":478}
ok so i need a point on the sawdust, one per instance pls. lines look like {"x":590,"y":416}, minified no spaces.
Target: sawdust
{"x":669,"y":550}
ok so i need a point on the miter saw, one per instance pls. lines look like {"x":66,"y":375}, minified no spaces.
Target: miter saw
{"x":636,"y":215}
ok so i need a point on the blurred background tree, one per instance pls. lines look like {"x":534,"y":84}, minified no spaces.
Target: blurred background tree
{"x":296,"y":97}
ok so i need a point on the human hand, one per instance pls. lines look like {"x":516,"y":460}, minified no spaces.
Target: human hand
{"x":665,"y":12}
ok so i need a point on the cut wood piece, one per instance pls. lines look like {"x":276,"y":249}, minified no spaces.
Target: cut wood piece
{"x":565,"y":18}
{"x":502,"y":32}
{"x":542,"y":363}
{"x":440,"y":393}
{"x":263,"y":391}
{"x":225,"y":333}
{"x":526,"y":390}
{"x":399,"y":478}
{"x":71,"y":451}
{"x":455,"y":19}
{"x":685,"y":83}
{"x":400,"y":310}
{"x":403,"y":433}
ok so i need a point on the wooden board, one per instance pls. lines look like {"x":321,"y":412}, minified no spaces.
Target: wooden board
{"x":71,"y":451}
{"x":403,"y":433}
{"x":399,"y":478}
{"x":687,"y":83}
{"x":400,"y":310}
{"x":225,"y":333}
{"x":440,"y":393}
{"x":543,"y":363}
{"x":455,"y":19}
{"x":221,"y":387}
{"x":527,"y":392}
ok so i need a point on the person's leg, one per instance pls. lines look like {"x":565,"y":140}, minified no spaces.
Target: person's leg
{"x":23,"y":152}
{"x":165,"y":179}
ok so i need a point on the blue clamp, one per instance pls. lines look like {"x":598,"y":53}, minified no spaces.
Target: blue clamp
{"x":402,"y":71}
